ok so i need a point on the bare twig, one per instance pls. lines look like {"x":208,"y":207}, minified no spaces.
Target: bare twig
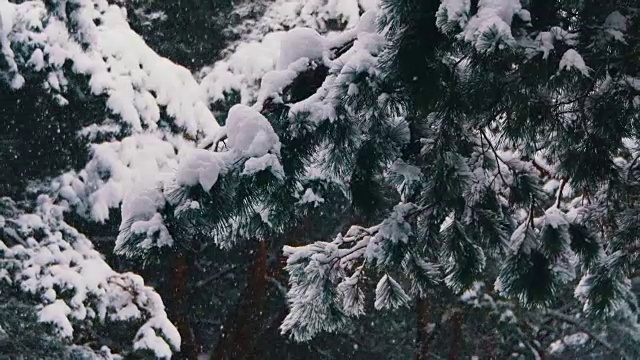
{"x":495,"y":153}
{"x":564,"y":182}
{"x":216,"y":276}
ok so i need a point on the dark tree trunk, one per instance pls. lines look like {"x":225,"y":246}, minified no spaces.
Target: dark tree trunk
{"x":244,"y":330}
{"x":240,"y":327}
{"x":179,"y":306}
{"x":424,"y":329}
{"x":267,"y":338}
{"x":456,"y":334}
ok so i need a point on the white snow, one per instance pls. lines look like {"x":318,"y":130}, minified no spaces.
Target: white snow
{"x":243,"y":69}
{"x":148,"y":339}
{"x":258,"y":51}
{"x":199,"y":166}
{"x":274,"y":82}
{"x":157,"y":234}
{"x":118,"y":62}
{"x":555,"y":218}
{"x":572,"y":60}
{"x":300,"y":43}
{"x":309,"y":197}
{"x":249,"y":133}
{"x":368,"y":5}
{"x":455,"y":11}
{"x":616,"y":21}
{"x":577,"y":339}
{"x":395,"y":228}
{"x":57,"y":313}
{"x":249,"y":137}
{"x":267,"y":161}
{"x":64,"y":259}
{"x":521,"y":241}
{"x":143,"y":91}
{"x":489,"y":28}
{"x":360,"y":58}
{"x":409,"y":173}
{"x":367,"y":22}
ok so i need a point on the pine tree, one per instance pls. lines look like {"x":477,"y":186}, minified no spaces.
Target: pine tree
{"x":78,"y":86}
{"x":522,"y":136}
{"x":67,"y":296}
{"x":451,"y":145}
{"x":262,"y":182}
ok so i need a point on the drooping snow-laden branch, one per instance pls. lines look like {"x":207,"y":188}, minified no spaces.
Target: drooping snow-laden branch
{"x":75,"y":287}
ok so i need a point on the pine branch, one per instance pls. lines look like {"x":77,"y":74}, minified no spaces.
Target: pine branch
{"x":564,"y":182}
{"x":340,"y":50}
{"x":538,"y":352}
{"x":541,"y":169}
{"x":581,"y":327}
{"x":217,"y":276}
{"x":495,"y":153}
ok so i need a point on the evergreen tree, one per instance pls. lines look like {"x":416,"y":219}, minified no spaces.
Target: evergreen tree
{"x":476,"y":158}
{"x":501,"y":111}
{"x":63,"y":293}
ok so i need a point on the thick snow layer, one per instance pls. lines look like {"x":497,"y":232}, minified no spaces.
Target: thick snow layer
{"x":156,"y":103}
{"x":140,"y":218}
{"x":76,"y":286}
{"x":267,"y":161}
{"x":361,"y":58}
{"x":258,"y":51}
{"x":275,"y":82}
{"x":136,"y":81}
{"x":489,"y":28}
{"x":7,"y":14}
{"x":247,"y":136}
{"x":243,"y":69}
{"x":249,"y":133}
{"x":300,"y":43}
{"x":143,"y":203}
{"x":114,"y":169}
{"x":200,"y":166}
{"x":56,"y":314}
{"x":572,"y":60}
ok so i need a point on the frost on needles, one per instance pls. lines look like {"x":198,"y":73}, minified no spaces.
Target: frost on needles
{"x":478,"y":152}
{"x":518,"y":169}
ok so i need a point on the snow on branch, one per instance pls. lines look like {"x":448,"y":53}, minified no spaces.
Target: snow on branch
{"x":75,"y":287}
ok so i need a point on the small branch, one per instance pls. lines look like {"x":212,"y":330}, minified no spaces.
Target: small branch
{"x":221,"y":140}
{"x":216,"y":276}
{"x":564,"y":182}
{"x":531,"y":225}
{"x":541,"y":169}
{"x":538,"y":353}
{"x":633,"y":163}
{"x":495,"y":153}
{"x":281,"y":288}
{"x":570,"y":320}
{"x":340,"y":50}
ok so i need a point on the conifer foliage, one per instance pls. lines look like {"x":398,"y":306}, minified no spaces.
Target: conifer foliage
{"x":475,"y":158}
{"x":521,"y":146}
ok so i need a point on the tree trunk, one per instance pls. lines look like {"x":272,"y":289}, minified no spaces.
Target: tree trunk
{"x":243,"y":330}
{"x":456,"y":334}
{"x":267,"y":337}
{"x":239,"y":327}
{"x":179,"y":305}
{"x":424,"y":329}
